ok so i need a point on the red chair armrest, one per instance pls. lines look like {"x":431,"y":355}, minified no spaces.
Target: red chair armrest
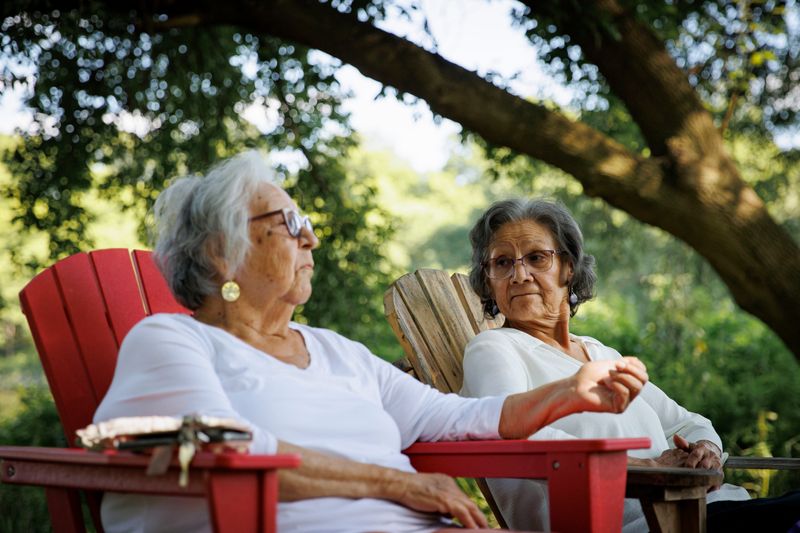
{"x":508,"y":458}
{"x":586,"y":477}
{"x":241,"y":489}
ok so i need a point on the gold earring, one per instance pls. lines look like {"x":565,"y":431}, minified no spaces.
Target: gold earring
{"x":230,"y":291}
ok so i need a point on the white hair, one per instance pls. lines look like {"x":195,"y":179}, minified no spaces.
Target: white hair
{"x":201,"y":218}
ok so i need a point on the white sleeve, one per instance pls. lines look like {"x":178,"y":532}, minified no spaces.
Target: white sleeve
{"x":423,"y":413}
{"x":492,"y":367}
{"x":166,"y":368}
{"x":675,"y":419}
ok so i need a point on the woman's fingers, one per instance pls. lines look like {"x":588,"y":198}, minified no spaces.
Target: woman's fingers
{"x":633,"y":366}
{"x":620,"y":396}
{"x":701,"y":457}
{"x":478,"y":518}
{"x":466,"y":512}
{"x":631,"y":384}
{"x":673,"y":458}
{"x":680,"y":442}
{"x":439,"y":493}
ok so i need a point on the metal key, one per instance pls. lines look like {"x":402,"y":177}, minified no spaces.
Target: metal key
{"x":185,"y":454}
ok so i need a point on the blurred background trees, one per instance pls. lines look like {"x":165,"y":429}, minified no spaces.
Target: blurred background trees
{"x":123,"y":101}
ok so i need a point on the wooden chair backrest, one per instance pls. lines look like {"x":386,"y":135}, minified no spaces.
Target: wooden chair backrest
{"x":79,"y":310}
{"x":434,"y":317}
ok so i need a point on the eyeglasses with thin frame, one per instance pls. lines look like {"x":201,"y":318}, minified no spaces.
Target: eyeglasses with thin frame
{"x":295,"y":222}
{"x":534,"y":261}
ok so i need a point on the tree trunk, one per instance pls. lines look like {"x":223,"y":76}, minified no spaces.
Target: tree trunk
{"x":690,"y":188}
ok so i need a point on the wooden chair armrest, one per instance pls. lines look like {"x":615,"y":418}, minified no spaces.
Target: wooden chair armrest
{"x":763,"y":463}
{"x":667,"y":483}
{"x":241,"y":489}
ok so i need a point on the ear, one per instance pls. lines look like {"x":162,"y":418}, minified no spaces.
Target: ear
{"x":567,"y":272}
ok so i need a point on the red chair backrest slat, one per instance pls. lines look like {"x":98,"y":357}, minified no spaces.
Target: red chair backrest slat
{"x":156,"y":292}
{"x":79,"y":310}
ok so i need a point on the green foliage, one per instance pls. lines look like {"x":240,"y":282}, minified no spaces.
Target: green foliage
{"x":741,"y":54}
{"x":119,"y":111}
{"x":36,"y":424}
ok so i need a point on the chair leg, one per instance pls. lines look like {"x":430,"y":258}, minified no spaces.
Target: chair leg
{"x":233,"y":502}
{"x":583,"y":494}
{"x":64,"y":506}
{"x":676,"y":516}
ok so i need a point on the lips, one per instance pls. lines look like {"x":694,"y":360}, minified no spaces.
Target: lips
{"x":524,"y":294}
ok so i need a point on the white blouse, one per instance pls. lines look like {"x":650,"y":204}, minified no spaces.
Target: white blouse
{"x":347,"y":403}
{"x":507,"y":361}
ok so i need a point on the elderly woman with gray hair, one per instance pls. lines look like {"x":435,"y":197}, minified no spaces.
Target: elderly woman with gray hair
{"x":528,"y":263}
{"x":235,"y":250}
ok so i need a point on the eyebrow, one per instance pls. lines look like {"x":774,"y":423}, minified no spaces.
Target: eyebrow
{"x":538,"y":244}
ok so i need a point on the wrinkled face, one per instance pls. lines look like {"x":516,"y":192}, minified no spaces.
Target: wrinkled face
{"x":278,"y":266}
{"x":528,"y":296}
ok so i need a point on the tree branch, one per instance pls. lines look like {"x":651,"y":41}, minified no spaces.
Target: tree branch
{"x":692,"y":189}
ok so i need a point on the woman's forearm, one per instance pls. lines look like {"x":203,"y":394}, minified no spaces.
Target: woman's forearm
{"x":600,"y":386}
{"x":322,"y":475}
{"x":525,"y":413}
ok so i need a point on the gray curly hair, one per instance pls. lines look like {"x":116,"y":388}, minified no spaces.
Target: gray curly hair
{"x":197,"y":219}
{"x":562,"y":226}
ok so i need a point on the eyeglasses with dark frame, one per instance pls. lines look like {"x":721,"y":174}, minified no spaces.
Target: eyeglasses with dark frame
{"x":295,"y":222}
{"x":534,"y":261}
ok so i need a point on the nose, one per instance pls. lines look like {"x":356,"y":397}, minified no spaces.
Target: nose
{"x":520,"y":274}
{"x":308,"y":239}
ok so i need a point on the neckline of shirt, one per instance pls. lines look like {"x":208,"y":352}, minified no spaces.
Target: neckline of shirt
{"x":300,"y":328}
{"x":552,"y":349}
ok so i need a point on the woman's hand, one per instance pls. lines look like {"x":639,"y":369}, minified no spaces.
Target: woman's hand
{"x":700,"y":454}
{"x":609,"y":386}
{"x":321,"y":475}
{"x":437,"y":493}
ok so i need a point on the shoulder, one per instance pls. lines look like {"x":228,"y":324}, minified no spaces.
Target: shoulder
{"x":507,"y":338}
{"x":495,"y":345}
{"x":501,"y":335}
{"x":165,"y":323}
{"x":161,"y":331}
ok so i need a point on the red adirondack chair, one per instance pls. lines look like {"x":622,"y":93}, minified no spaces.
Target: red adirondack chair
{"x":79,"y":311}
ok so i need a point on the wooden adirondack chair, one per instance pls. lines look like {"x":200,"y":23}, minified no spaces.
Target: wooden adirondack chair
{"x":434,"y":317}
{"x":79,"y":311}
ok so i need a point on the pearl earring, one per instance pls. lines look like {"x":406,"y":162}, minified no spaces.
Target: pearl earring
{"x":573,"y":298}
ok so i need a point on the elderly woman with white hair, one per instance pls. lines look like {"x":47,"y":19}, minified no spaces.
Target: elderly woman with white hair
{"x":529,"y":263}
{"x":235,"y":250}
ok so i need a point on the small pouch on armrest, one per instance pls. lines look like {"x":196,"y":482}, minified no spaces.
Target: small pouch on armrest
{"x":160,"y":435}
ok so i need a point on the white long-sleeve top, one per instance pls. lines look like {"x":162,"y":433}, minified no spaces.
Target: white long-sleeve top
{"x":506,"y":361}
{"x":347,"y":403}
